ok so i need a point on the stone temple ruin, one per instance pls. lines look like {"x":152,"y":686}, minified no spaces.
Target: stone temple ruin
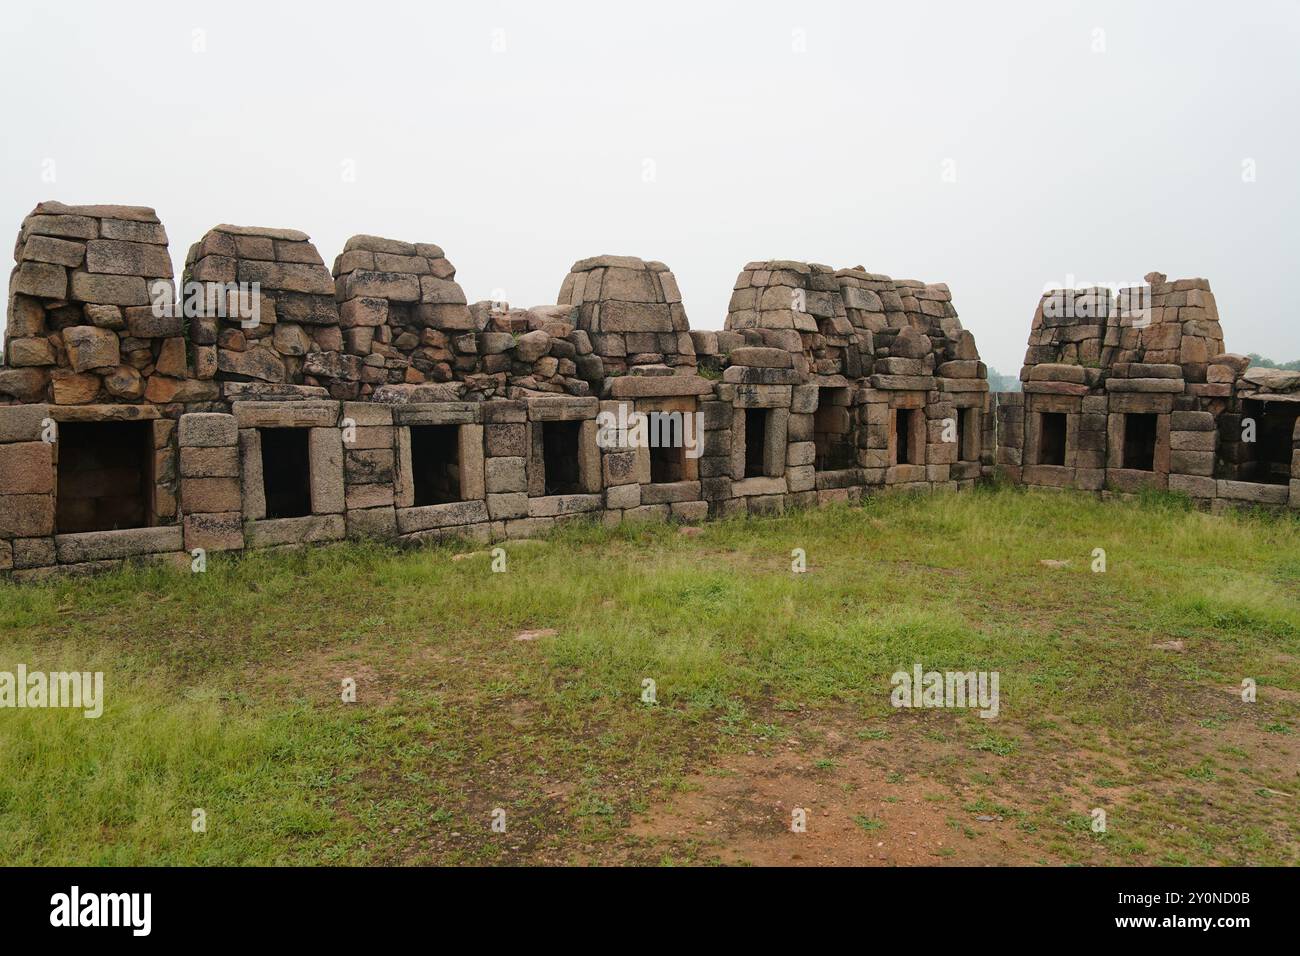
{"x":270,"y":401}
{"x":1133,"y":391}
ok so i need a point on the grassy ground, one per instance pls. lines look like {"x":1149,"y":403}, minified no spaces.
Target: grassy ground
{"x":223,"y":693}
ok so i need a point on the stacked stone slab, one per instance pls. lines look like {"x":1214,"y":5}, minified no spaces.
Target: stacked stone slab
{"x":92,"y":312}
{"x":296,"y":340}
{"x":875,"y":348}
{"x":210,"y":487}
{"x":535,"y":352}
{"x":406,"y":320}
{"x":404,"y":316}
{"x":633,"y":312}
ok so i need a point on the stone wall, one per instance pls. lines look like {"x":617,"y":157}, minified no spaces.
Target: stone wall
{"x":1134,"y":391}
{"x":374,"y":401}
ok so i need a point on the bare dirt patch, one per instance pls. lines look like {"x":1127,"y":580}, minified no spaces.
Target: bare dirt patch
{"x":863,"y":802}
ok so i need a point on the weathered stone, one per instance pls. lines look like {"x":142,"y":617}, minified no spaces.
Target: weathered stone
{"x":118,"y":257}
{"x":26,"y":516}
{"x":214,"y":532}
{"x":256,"y":363}
{"x":58,"y":251}
{"x":210,"y":495}
{"x":505,"y":475}
{"x":26,"y":468}
{"x":44,"y":279}
{"x":108,"y":545}
{"x":219,"y":462}
{"x":105,"y":289}
{"x":293,"y":531}
{"x":74,"y":388}
{"x":532,"y":346}
{"x":171,"y":358}
{"x":124,"y":382}
{"x":760,"y":357}
{"x":441,"y":516}
{"x":290,"y":339}
{"x":30,"y":352}
{"x":207,"y":430}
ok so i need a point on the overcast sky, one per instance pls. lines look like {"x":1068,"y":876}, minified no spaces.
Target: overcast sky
{"x":998,"y":147}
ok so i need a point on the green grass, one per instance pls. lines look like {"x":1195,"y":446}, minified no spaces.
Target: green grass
{"x":223,"y":689}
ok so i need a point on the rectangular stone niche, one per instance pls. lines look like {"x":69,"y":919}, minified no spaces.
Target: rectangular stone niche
{"x":833,"y":431}
{"x":286,"y":472}
{"x":1267,"y":460}
{"x":1051,"y":438}
{"x":968,"y":434}
{"x":667,"y":464}
{"x":105,"y":476}
{"x":755,"y":441}
{"x":909,"y":436}
{"x":1140,"y":441}
{"x":435,"y":464}
{"x":560,"y":457}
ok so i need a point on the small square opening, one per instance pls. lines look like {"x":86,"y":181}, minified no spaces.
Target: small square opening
{"x":560,"y":457}
{"x":755,"y":441}
{"x":286,"y":472}
{"x":667,"y":464}
{"x":1140,"y":442}
{"x":105,"y":476}
{"x":435,"y":464}
{"x":968,"y":434}
{"x":1051,"y":438}
{"x":833,"y":431}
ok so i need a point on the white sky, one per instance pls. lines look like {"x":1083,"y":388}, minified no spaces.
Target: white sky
{"x":1069,"y":162}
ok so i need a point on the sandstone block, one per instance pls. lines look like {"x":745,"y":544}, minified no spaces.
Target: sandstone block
{"x":26,"y":516}
{"x":104,"y":289}
{"x":30,"y":352}
{"x":26,"y":468}
{"x":214,"y":532}
{"x":222,"y":462}
{"x":379,"y":523}
{"x":43,"y":279}
{"x":292,"y":531}
{"x":114,"y":545}
{"x":210,"y":495}
{"x":117,"y":257}
{"x":506,"y":475}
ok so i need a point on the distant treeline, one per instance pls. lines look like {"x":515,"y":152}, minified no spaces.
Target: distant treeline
{"x":1257,"y":359}
{"x":1003,"y":383}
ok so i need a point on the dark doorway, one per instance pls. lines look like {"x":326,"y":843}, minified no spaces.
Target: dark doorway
{"x":286,"y":472}
{"x":1051,"y":438}
{"x":1268,"y":458}
{"x":435,"y":464}
{"x":105,"y":478}
{"x":560,"y":457}
{"x":833,"y":432}
{"x":903,"y":435}
{"x":968,"y":434}
{"x":1140,"y":442}
{"x":667,"y":464}
{"x":755,"y":441}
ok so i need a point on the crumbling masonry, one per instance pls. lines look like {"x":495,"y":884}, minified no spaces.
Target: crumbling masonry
{"x":272,"y":402}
